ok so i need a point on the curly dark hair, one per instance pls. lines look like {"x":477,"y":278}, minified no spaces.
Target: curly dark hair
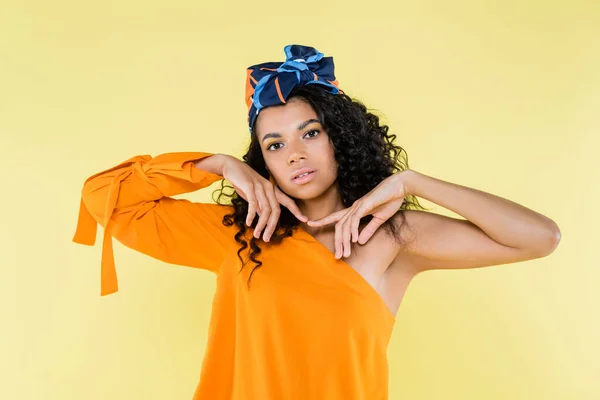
{"x":364,"y":152}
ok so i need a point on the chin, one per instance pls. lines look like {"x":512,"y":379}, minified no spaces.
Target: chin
{"x":310,"y":191}
{"x":301,"y":192}
{"x":308,"y":195}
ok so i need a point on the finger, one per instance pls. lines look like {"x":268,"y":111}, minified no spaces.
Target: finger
{"x":252,"y":207}
{"x":265,"y":210}
{"x":346,"y":233}
{"x":339,"y":232}
{"x":334,"y":217}
{"x":290,"y":204}
{"x":338,"y":240}
{"x":360,"y":212}
{"x":369,"y":230}
{"x":341,"y":226}
{"x":354,"y":224}
{"x":354,"y":227}
{"x":275,"y":213}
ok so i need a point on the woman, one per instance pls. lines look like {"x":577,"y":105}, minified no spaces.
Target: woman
{"x":332,"y":264}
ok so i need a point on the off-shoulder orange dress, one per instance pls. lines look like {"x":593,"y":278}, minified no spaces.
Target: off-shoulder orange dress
{"x":309,"y":327}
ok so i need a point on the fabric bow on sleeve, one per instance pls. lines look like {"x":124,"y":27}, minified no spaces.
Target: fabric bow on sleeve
{"x":270,"y":83}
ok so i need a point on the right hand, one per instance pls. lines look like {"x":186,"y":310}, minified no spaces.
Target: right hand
{"x":262,"y":196}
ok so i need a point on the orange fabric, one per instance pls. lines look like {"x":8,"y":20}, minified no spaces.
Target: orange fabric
{"x":309,"y":326}
{"x":249,"y":89}
{"x":279,"y":90}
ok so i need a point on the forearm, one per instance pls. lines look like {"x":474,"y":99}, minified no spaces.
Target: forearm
{"x":143,"y":179}
{"x":213,"y":164}
{"x":504,"y":221}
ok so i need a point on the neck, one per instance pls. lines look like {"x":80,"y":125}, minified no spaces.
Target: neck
{"x":320,"y":207}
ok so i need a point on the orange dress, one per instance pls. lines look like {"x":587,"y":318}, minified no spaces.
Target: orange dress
{"x":309,"y":326}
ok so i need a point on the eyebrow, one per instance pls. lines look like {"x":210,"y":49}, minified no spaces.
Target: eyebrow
{"x":300,"y":127}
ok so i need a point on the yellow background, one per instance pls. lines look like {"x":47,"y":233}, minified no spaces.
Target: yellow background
{"x":501,"y":96}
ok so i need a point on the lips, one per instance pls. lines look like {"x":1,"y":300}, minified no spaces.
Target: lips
{"x":304,"y":178}
{"x":301,"y":171}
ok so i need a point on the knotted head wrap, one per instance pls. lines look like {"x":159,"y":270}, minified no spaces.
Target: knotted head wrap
{"x":270,"y":83}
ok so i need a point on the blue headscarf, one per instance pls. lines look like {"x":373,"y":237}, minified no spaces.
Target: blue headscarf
{"x":270,"y":83}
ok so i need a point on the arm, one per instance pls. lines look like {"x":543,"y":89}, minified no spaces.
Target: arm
{"x":496,"y":230}
{"x":132,"y":202}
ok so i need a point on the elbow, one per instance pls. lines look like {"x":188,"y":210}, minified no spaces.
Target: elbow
{"x":549,"y":240}
{"x":555,"y":235}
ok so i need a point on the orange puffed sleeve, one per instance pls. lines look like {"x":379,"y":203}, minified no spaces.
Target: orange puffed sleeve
{"x":131,"y":201}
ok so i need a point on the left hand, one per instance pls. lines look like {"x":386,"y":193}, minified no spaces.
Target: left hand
{"x":382,"y":202}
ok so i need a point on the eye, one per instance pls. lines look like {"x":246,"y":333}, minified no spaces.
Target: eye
{"x":316,"y":131}
{"x":273,"y":144}
{"x":311,"y":134}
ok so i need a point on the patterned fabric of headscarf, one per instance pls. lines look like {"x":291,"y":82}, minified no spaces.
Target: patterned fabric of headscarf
{"x":270,"y":83}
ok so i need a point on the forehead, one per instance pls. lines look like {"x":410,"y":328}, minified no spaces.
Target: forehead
{"x":284,"y":118}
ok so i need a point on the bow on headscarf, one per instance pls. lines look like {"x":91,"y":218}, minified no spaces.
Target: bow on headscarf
{"x":270,"y":83}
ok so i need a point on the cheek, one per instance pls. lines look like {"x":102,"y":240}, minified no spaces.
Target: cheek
{"x":275,"y":170}
{"x":323,"y":157}
{"x":331,"y":161}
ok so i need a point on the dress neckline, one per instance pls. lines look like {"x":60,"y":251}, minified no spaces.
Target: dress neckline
{"x":351,"y":272}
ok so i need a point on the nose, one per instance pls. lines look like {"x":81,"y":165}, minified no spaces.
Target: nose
{"x":297,"y":153}
{"x":294,"y":159}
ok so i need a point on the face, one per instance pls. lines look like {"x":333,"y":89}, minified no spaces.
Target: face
{"x":293,"y":141}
